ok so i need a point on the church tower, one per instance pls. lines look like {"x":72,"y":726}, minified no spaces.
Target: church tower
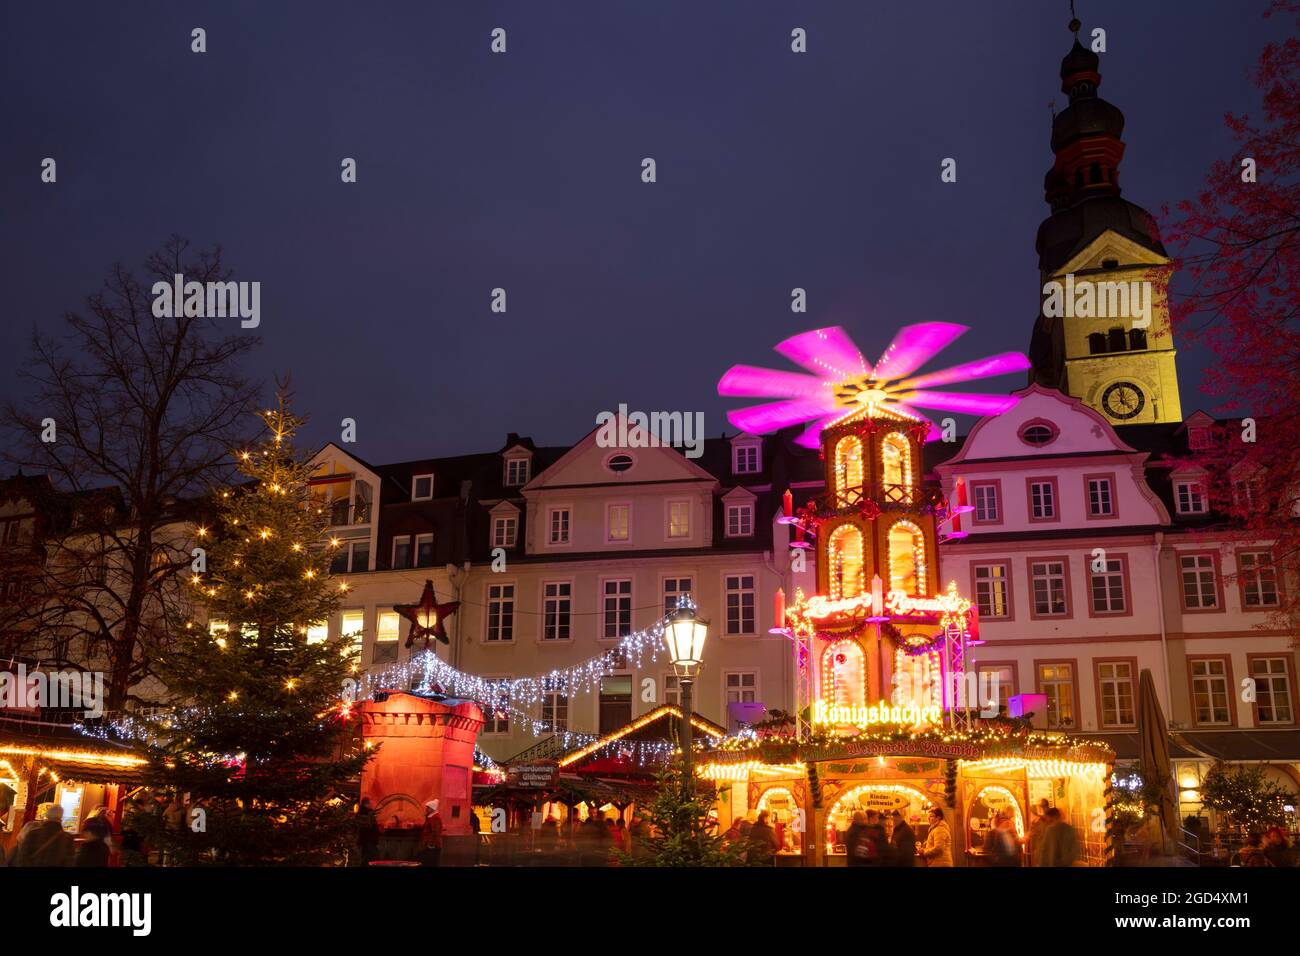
{"x":1102,"y":333}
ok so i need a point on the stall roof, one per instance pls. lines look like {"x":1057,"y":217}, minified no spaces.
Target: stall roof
{"x":69,"y":753}
{"x":1129,"y":746}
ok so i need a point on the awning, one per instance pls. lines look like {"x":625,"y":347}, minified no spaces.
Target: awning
{"x":67,"y":753}
{"x":1268,"y":746}
{"x":1129,"y":746}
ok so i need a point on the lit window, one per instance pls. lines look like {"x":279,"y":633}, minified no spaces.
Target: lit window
{"x":896,"y":468}
{"x":389,"y":627}
{"x":679,"y":519}
{"x":1056,"y":682}
{"x":618,"y":522}
{"x":849,"y":473}
{"x":740,"y":520}
{"x":992,"y":590}
{"x":354,"y":626}
{"x":318,"y":633}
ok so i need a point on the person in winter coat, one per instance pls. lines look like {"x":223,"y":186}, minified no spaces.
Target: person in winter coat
{"x":367,"y":832}
{"x":431,"y":836}
{"x":1003,"y":846}
{"x":856,"y":846}
{"x":1276,"y":848}
{"x":1059,"y":845}
{"x":902,"y":842}
{"x":46,"y":844}
{"x":762,"y":845}
{"x":938,"y":840}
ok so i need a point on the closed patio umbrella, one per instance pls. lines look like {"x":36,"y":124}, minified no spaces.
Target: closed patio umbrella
{"x":1153,"y":738}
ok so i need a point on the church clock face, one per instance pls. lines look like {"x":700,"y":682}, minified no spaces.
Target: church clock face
{"x":1123,"y":401}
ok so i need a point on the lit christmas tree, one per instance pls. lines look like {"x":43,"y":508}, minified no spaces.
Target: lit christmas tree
{"x":257,"y":738}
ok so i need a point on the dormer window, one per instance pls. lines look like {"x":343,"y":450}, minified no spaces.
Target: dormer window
{"x":422,"y":487}
{"x":1189,"y":498}
{"x":1198,"y":439}
{"x":517,"y":472}
{"x":747,"y":458}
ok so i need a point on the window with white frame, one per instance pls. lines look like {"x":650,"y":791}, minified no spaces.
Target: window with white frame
{"x":740,"y":520}
{"x":318,"y":633}
{"x":740,"y":603}
{"x":401,"y":552}
{"x":1101,"y":497}
{"x":674,"y":589}
{"x":557,"y":610}
{"x":505,"y":530}
{"x":992,"y":590}
{"x":1107,"y":586}
{"x":1056,"y":682}
{"x":996,"y":686}
{"x":617,"y":609}
{"x":496,"y":719}
{"x":741,"y":688}
{"x":986,"y":501}
{"x":1200,"y":584}
{"x":745,"y":459}
{"x":1189,"y":498}
{"x":1210,"y":690}
{"x":422,"y":487}
{"x":1272,"y":690}
{"x":555,"y":711}
{"x":424,"y":550}
{"x":558,"y":523}
{"x":1116,"y":688}
{"x":1258,"y":579}
{"x":679,"y":519}
{"x":672,"y":690}
{"x":1047,"y":582}
{"x":1042,"y":500}
{"x":500,"y":613}
{"x":516,"y":472}
{"x":618,"y":521}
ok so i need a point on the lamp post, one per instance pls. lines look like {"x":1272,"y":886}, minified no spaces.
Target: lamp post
{"x":684,"y":633}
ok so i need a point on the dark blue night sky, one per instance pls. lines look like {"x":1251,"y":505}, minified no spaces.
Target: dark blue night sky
{"x":523,"y":171}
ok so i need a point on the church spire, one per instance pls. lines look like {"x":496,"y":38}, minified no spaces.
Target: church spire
{"x":1085,"y":135}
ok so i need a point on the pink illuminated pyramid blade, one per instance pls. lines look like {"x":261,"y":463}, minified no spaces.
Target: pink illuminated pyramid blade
{"x":913,"y":346}
{"x":969,"y":403}
{"x":1003,"y":363}
{"x":829,"y":353}
{"x":760,"y":419}
{"x":770,"y":383}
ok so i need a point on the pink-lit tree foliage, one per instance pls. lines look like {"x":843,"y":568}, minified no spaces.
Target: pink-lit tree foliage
{"x":1239,"y":245}
{"x":843,"y":384}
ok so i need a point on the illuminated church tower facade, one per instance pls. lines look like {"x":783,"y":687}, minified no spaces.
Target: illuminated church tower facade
{"x":1102,"y":334}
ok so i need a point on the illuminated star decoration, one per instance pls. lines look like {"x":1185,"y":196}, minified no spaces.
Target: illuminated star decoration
{"x":843,"y":386}
{"x":427,"y":617}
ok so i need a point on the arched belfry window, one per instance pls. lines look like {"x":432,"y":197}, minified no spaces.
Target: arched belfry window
{"x":896,"y":467}
{"x":1116,"y":340}
{"x":1096,"y":343}
{"x":849,"y":473}
{"x":844,"y":562}
{"x":907,"y":558}
{"x":1137,"y":339}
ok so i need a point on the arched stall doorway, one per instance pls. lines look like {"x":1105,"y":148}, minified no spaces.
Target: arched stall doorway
{"x":786,"y":817}
{"x":883,"y":798}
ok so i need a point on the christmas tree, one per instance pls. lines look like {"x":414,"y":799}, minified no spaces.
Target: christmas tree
{"x":257,"y":737}
{"x":683,"y":833}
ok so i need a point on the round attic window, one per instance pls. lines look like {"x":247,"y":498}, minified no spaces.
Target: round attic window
{"x":619,"y":463}
{"x":1038,"y":433}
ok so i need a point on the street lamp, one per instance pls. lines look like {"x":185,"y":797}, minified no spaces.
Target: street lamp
{"x":684,"y":633}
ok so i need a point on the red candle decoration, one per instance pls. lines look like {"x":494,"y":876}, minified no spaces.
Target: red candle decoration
{"x":778,"y":607}
{"x":787,"y":503}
